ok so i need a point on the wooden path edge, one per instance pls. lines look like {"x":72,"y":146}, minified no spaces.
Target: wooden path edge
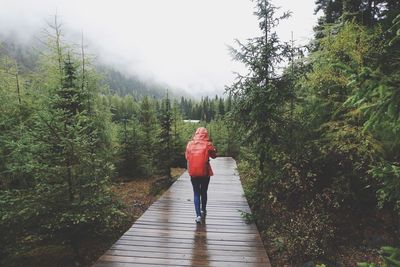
{"x":167,"y":235}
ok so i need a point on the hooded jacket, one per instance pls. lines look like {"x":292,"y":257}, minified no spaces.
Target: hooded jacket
{"x":200,"y":139}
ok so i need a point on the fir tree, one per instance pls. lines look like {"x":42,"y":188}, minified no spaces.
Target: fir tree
{"x":164,"y":145}
{"x":130,"y":156}
{"x":259,"y":96}
{"x":148,"y":121}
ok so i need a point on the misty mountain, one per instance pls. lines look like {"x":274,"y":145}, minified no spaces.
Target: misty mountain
{"x":27,"y":56}
{"x":123,"y":84}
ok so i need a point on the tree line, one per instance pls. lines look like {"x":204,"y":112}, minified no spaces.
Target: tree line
{"x":207,"y":109}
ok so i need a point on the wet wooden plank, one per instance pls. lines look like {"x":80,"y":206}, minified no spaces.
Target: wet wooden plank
{"x":228,"y":256}
{"x":243,"y":243}
{"x":189,"y":228}
{"x":185,"y":243}
{"x":209,"y":249}
{"x":177,"y":262}
{"x":167,"y":235}
{"x":131,"y":245}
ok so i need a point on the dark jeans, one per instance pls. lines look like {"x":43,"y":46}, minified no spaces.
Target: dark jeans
{"x":200,"y":187}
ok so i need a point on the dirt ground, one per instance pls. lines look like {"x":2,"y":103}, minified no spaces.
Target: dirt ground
{"x":137,"y":195}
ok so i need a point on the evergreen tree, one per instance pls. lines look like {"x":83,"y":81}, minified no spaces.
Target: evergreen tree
{"x":164,"y":144}
{"x":365,"y":12}
{"x":130,"y":156}
{"x":63,"y":146}
{"x":148,"y":121}
{"x":178,"y":142}
{"x":221,"y":107}
{"x":259,"y":96}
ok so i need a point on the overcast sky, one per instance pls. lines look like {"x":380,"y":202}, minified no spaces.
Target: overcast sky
{"x":180,"y":42}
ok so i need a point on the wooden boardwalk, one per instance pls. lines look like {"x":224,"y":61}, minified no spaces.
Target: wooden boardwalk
{"x":167,"y":235}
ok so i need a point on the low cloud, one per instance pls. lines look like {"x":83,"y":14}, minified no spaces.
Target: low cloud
{"x":179,"y":42}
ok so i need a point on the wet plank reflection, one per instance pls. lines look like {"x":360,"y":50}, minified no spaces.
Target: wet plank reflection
{"x":199,"y":248}
{"x":167,"y":235}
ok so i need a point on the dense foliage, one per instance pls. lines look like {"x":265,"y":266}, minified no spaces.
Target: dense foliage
{"x":55,"y":165}
{"x":323,"y":132}
{"x":318,"y":140}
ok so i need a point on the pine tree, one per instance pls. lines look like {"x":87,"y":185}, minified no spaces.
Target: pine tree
{"x":148,"y":121}
{"x":130,"y":155}
{"x":221,"y":107}
{"x":64,"y":145}
{"x":178,"y":143}
{"x":164,"y":144}
{"x":259,"y":96}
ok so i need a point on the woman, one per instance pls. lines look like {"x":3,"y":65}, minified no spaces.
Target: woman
{"x":198,"y":151}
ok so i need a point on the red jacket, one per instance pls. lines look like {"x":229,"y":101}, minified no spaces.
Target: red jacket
{"x":200,"y":138}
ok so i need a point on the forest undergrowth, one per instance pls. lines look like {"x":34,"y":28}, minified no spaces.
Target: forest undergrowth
{"x":320,"y":137}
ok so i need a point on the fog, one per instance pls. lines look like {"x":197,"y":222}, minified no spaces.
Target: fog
{"x":182,"y":43}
